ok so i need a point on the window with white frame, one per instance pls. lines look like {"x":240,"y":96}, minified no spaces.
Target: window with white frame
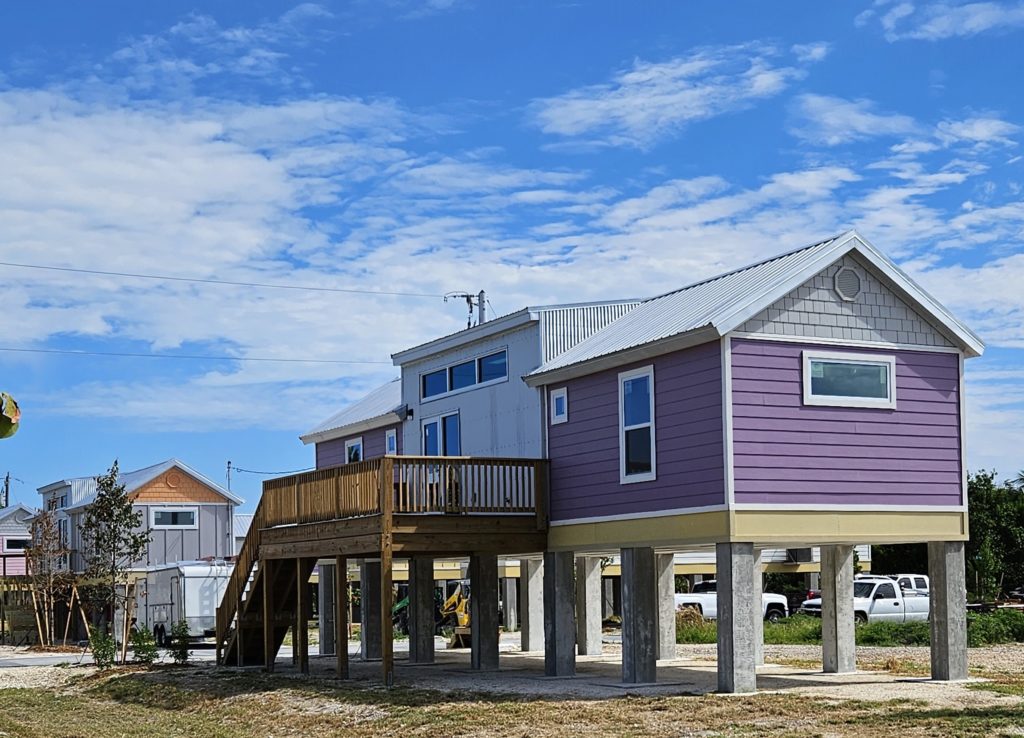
{"x":12,"y":545}
{"x":845,"y":379}
{"x":179,"y":518}
{"x":559,"y":405}
{"x":354,"y":450}
{"x":391,"y":441}
{"x":637,"y":462}
{"x":442,"y":436}
{"x":483,"y":370}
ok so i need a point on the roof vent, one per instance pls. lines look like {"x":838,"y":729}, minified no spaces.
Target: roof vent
{"x":848,"y":284}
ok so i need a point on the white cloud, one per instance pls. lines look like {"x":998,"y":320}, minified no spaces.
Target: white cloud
{"x":653,"y":100}
{"x":813,"y":52}
{"x":935,"y":21}
{"x":981,"y":131}
{"x":828,"y":120}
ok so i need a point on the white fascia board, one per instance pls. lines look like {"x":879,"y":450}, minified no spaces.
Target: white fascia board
{"x":54,"y":486}
{"x":379,"y":421}
{"x":469,"y":335}
{"x":626,"y":356}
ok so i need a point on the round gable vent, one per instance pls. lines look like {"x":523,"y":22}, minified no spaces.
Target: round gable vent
{"x":848,"y":284}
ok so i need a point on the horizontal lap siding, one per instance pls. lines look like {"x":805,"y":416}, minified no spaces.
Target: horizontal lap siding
{"x":787,"y":453}
{"x":584,"y":451}
{"x":332,"y":453}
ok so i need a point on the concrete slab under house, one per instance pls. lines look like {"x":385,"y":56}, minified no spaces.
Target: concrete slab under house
{"x":812,"y":400}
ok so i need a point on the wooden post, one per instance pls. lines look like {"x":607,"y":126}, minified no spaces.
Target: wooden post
{"x":341,"y":614}
{"x":81,"y":611}
{"x":540,"y":493}
{"x":387,"y":636}
{"x":301,"y":635}
{"x":269,"y":652}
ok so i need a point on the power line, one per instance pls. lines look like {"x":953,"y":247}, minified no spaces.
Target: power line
{"x":263,"y":285}
{"x":126,"y":354}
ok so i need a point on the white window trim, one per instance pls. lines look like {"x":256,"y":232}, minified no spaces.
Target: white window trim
{"x":439,"y":419}
{"x":358,"y":441}
{"x":646,"y":371}
{"x":28,"y":542}
{"x":562,"y":392}
{"x":476,"y":385}
{"x":843,"y":357}
{"x":390,"y":439}
{"x":154,"y":510}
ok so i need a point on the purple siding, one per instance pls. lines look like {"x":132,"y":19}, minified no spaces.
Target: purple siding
{"x":788,"y":453}
{"x":332,"y":453}
{"x":584,"y":451}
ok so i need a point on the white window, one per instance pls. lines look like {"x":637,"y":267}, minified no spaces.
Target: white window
{"x":481,"y":371}
{"x":442,"y":436}
{"x":354,"y":450}
{"x":559,"y":406}
{"x":391,"y":441}
{"x":637,"y":461}
{"x":849,"y":380}
{"x":12,"y":545}
{"x":174,"y":518}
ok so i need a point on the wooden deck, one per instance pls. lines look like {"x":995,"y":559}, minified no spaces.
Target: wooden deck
{"x":392,"y":506}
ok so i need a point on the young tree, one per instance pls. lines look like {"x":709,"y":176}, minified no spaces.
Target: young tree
{"x":48,"y":568}
{"x":113,"y":540}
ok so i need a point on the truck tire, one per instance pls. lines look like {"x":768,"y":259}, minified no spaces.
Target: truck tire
{"x":860,"y":618}
{"x":774,"y":614}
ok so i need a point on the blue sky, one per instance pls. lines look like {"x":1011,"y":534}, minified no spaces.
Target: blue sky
{"x":545,"y":152}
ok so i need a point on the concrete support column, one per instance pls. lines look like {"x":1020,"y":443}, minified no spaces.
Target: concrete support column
{"x":300,"y":632}
{"x":737,"y":613}
{"x":838,"y":644}
{"x":483,"y":611}
{"x":369,"y":606}
{"x":341,"y":615}
{"x":588,"y":606}
{"x":325,"y":610}
{"x":421,"y":610}
{"x":948,"y":595}
{"x":607,"y":597}
{"x":531,"y":590}
{"x":666,"y":574}
{"x":559,"y":614}
{"x":510,"y":604}
{"x":759,"y":609}
{"x":639,"y":616}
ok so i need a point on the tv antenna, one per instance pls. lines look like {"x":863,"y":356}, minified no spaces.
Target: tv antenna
{"x":473,"y":302}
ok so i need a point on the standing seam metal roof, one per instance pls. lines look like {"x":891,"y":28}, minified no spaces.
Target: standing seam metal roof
{"x":383,"y":401}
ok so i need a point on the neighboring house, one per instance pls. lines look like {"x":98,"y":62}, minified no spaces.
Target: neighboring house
{"x":240,"y":528}
{"x":15,"y":537}
{"x":813,"y":399}
{"x":188,"y":516}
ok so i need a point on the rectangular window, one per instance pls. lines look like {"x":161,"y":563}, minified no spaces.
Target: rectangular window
{"x":353,"y":450}
{"x":849,"y":380}
{"x":494,"y":367}
{"x":435,"y":383}
{"x":442,"y":436}
{"x":637,"y":462}
{"x":462,"y":375}
{"x":391,"y":442}
{"x":559,"y":406}
{"x":16,"y":544}
{"x":163,"y":517}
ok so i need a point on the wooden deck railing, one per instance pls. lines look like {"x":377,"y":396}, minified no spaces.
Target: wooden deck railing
{"x":400,"y":485}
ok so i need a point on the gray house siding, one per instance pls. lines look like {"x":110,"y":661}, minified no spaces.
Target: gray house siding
{"x":584,"y":451}
{"x":213,"y":537}
{"x":814,"y":310}
{"x":332,"y":453}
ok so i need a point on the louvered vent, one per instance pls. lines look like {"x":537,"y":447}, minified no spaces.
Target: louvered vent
{"x":848,"y":284}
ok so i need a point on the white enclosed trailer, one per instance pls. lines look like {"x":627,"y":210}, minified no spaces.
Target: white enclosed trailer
{"x":187,"y":590}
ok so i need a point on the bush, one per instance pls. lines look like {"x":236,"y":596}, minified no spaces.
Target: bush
{"x":179,"y":642}
{"x":798,"y":629}
{"x":104,"y":649}
{"x":894,"y":634}
{"x":691,"y":627}
{"x":1000,"y":626}
{"x":143,"y":646}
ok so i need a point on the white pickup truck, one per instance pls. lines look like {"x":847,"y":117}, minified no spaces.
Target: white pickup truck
{"x":704,"y":598}
{"x":880,"y":600}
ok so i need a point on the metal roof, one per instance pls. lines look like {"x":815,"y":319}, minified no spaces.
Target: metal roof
{"x":711,"y":308}
{"x":240,"y":524}
{"x":380,"y":407}
{"x":83,"y":489}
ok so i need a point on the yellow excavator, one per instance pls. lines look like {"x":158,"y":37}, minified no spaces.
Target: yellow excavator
{"x":455,"y":610}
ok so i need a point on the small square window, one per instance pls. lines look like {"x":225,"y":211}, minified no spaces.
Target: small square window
{"x":435,"y":383}
{"x":391,"y":442}
{"x":354,"y":450}
{"x":559,"y":406}
{"x":462,"y":375}
{"x":494,"y":367}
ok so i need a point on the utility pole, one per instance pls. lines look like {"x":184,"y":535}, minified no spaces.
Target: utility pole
{"x":5,"y":499}
{"x":229,"y":476}
{"x":472,"y":301}
{"x":481,"y":311}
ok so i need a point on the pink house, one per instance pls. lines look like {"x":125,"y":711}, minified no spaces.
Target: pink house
{"x":15,"y":536}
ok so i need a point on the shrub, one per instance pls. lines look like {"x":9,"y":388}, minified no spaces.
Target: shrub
{"x":894,"y":634}
{"x":179,"y":642}
{"x":104,"y":649}
{"x":691,"y":627}
{"x":798,"y":629}
{"x":143,"y":646}
{"x":1000,"y":626}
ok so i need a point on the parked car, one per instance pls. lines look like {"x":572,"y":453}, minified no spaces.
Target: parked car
{"x":704,"y":598}
{"x":880,"y":599}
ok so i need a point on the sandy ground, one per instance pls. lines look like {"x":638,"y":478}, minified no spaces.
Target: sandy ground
{"x":693,"y":672}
